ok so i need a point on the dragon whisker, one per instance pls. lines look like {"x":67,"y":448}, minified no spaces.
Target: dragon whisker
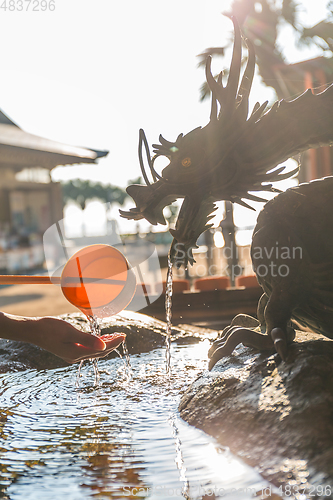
{"x":143,"y":139}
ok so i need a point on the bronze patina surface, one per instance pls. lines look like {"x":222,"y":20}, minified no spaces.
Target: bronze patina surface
{"x":235,"y":155}
{"x":292,"y":255}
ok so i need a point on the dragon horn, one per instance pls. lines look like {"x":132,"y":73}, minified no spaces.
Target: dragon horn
{"x":246,"y":83}
{"x":233,"y":79}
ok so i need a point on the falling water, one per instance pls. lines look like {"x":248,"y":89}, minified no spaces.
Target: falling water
{"x":168,"y":314}
{"x":94,"y":326}
{"x":94,"y":330}
{"x":127,"y":357}
{"x":179,"y":460}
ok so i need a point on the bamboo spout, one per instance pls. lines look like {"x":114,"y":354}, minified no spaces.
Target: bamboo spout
{"x":17,"y":279}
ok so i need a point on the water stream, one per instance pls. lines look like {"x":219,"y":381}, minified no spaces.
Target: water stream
{"x":121,"y":439}
{"x":168,"y":316}
{"x":94,"y":330}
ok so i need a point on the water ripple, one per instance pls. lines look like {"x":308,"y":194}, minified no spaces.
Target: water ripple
{"x":122,"y":439}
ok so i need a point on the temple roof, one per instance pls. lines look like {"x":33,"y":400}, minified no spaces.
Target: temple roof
{"x":19,"y":149}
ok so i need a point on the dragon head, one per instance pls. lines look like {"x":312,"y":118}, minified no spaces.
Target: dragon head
{"x":235,"y":155}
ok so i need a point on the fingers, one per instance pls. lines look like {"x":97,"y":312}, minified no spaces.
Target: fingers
{"x":78,"y":352}
{"x":113,"y":340}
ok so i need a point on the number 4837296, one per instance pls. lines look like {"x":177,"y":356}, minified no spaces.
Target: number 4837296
{"x":27,"y":5}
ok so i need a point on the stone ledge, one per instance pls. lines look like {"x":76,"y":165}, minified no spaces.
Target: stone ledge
{"x":278,"y":416}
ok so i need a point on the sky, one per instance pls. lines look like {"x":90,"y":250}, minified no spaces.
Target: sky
{"x":92,"y":73}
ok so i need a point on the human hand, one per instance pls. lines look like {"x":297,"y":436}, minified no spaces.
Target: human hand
{"x":67,"y":342}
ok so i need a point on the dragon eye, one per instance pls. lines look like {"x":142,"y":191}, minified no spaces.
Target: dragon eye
{"x":186,"y":162}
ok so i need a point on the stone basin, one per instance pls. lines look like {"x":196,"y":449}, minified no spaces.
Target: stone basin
{"x":278,"y":416}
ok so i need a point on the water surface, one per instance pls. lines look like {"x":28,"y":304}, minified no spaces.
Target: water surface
{"x":123,"y":439}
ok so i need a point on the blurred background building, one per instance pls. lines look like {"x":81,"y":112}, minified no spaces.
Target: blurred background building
{"x":30,"y":201}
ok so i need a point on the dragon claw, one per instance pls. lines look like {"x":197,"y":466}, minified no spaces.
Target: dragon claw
{"x":280,"y":342}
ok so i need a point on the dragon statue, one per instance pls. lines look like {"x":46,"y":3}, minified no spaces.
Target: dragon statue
{"x":235,"y":155}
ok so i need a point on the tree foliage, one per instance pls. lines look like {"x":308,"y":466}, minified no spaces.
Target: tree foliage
{"x":81,"y":191}
{"x":261,"y":22}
